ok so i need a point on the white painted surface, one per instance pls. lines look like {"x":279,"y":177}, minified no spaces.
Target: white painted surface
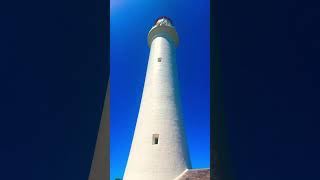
{"x":159,"y":114}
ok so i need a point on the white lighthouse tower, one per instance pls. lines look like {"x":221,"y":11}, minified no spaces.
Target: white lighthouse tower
{"x":159,"y":149}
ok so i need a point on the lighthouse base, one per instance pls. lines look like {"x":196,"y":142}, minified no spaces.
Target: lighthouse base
{"x":195,"y":174}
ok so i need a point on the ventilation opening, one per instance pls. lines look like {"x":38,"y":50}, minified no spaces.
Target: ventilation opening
{"x":155,"y":139}
{"x":159,"y":59}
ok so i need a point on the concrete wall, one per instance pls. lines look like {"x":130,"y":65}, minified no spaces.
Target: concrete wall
{"x":100,"y":163}
{"x":159,"y":114}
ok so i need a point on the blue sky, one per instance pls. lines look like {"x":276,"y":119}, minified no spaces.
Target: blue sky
{"x":130,"y":22}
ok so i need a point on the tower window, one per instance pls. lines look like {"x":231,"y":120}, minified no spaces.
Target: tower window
{"x":155,"y":139}
{"x":159,"y":59}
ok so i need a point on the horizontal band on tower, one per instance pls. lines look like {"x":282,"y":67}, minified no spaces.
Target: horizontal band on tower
{"x":163,"y":31}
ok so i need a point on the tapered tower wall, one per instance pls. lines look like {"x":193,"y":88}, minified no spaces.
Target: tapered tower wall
{"x":159,"y":149}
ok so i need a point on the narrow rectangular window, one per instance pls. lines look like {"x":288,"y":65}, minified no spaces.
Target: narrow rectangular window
{"x":155,"y":139}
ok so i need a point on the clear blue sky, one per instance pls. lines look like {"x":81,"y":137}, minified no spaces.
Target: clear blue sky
{"x":130,"y":22}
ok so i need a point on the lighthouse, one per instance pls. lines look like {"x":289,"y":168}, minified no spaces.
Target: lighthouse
{"x":159,"y":148}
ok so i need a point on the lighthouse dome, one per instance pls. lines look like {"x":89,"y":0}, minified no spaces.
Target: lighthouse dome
{"x":163,"y":20}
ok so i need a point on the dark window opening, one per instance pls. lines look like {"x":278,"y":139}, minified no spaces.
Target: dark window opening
{"x":155,"y":139}
{"x":159,"y":59}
